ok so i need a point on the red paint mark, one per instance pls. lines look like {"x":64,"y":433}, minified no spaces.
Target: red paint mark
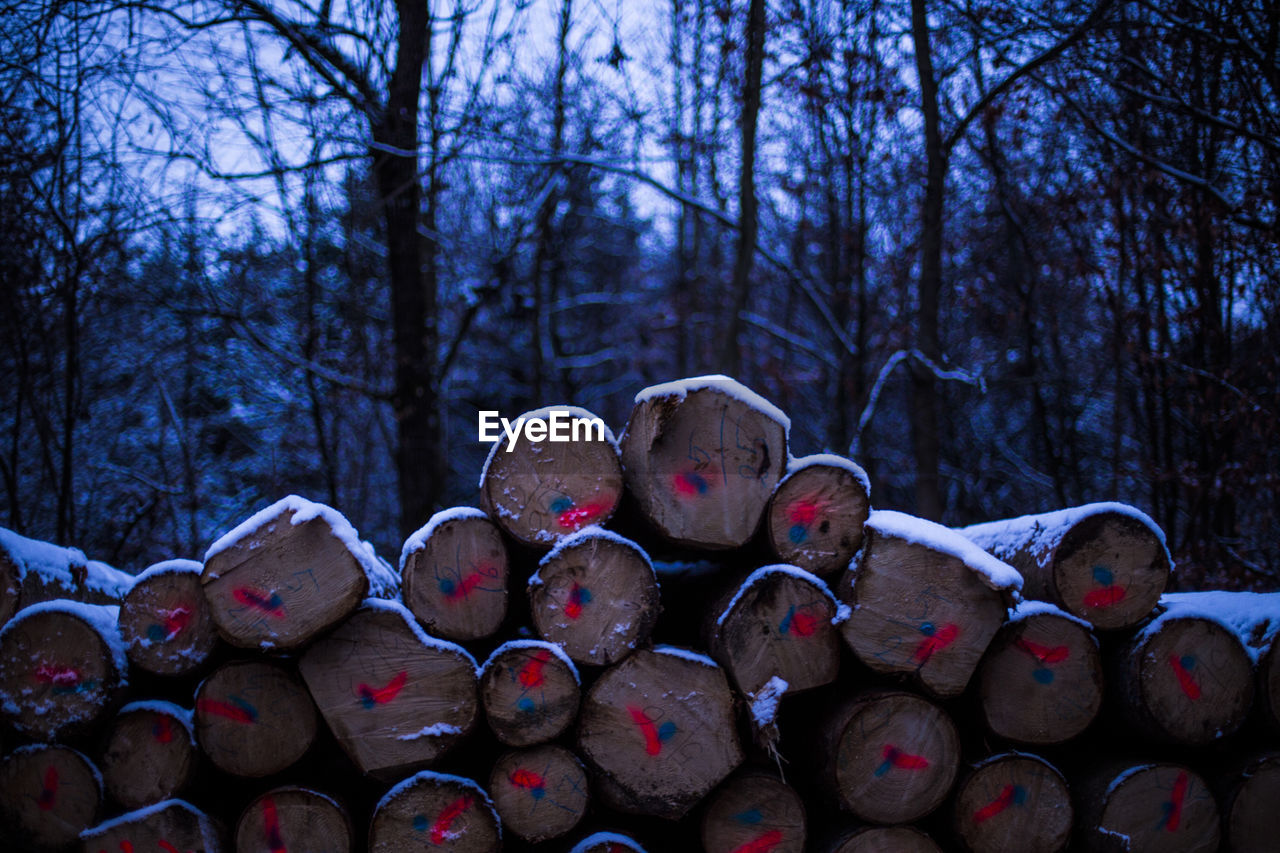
{"x":1104,"y":597}
{"x":804,"y":512}
{"x":763,"y":844}
{"x":271,"y":826}
{"x":272,"y":605}
{"x":175,"y":620}
{"x":370,"y":696}
{"x":167,"y":847}
{"x":575,"y":517}
{"x":527,"y":779}
{"x":236,"y":710}
{"x":462,"y":590}
{"x":1044,"y":654}
{"x":126,"y":847}
{"x":652,"y":744}
{"x":894,"y":757}
{"x":1173,"y":808}
{"x":530,"y":675}
{"x":440,"y":829}
{"x":57,"y":675}
{"x":578,"y":596}
{"x":162,"y":731}
{"x":996,"y":806}
{"x":935,"y":641}
{"x":1186,"y":680}
{"x":49,"y":793}
{"x":690,"y":483}
{"x":802,"y":623}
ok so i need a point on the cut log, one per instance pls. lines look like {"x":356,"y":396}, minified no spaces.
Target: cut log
{"x":169,"y":825}
{"x":1162,"y":808}
{"x":150,"y":753}
{"x":886,"y":839}
{"x":779,"y":624}
{"x":394,"y":697}
{"x":607,"y":842}
{"x":926,"y":601}
{"x":1252,"y":817}
{"x":1013,"y":801}
{"x":596,"y":595}
{"x":1185,"y":679}
{"x":1041,"y":679}
{"x":530,"y":692}
{"x":891,"y":756}
{"x":1106,"y":562}
{"x":165,"y":620}
{"x":435,"y":811}
{"x":289,"y":573}
{"x":658,"y":729}
{"x":453,"y":573}
{"x":702,"y":457}
{"x":254,"y":718}
{"x":32,"y":571}
{"x":61,"y":666}
{"x":539,"y":793}
{"x":48,"y":796}
{"x":1269,"y":686}
{"x":539,"y":491}
{"x":293,"y":820}
{"x":816,"y":514}
{"x":754,"y":811}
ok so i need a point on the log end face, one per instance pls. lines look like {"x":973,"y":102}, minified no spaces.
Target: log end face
{"x":815,"y":518}
{"x":754,"y":812}
{"x":1161,"y":807}
{"x":529,"y":694}
{"x":47,"y":795}
{"x":430,"y":810}
{"x":1253,"y":822}
{"x":293,"y":818}
{"x":1014,"y":802}
{"x":456,"y":583}
{"x":539,"y":793}
{"x":253,"y":719}
{"x":167,"y":625}
{"x":1110,"y":569}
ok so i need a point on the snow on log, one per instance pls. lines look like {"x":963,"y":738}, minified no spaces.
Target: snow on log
{"x":1251,"y":817}
{"x":453,"y":575}
{"x":596,"y":595}
{"x":539,"y":491}
{"x":150,"y":753}
{"x":437,"y":812}
{"x":885,"y":839}
{"x":1156,"y":807}
{"x":530,"y":692}
{"x":48,"y":794}
{"x":658,"y":728}
{"x":539,"y":793}
{"x":62,"y":664}
{"x":253,"y":718}
{"x":1041,"y":680}
{"x":1185,"y":679}
{"x":32,"y":571}
{"x":166,"y":621}
{"x":607,"y":842}
{"x":702,"y":457}
{"x":926,"y":601}
{"x":168,"y":825}
{"x":1104,"y":562}
{"x":890,"y":756}
{"x":1013,"y":801}
{"x":293,"y":819}
{"x":778,"y":624}
{"x":394,"y":697}
{"x":754,"y":811}
{"x":816,"y":513}
{"x":288,"y":573}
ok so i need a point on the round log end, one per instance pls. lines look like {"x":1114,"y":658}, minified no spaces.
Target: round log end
{"x":1110,"y":569}
{"x":48,"y":795}
{"x":887,"y":839}
{"x":253,"y":719}
{"x":293,"y":818}
{"x":607,"y":842}
{"x":816,"y":514}
{"x":1253,"y":821}
{"x":436,"y":812}
{"x":754,"y":811}
{"x":1164,"y":808}
{"x":539,"y":793}
{"x":530,"y":692}
{"x":150,"y":754}
{"x":1013,"y":802}
{"x":165,"y":620}
{"x":454,"y":575}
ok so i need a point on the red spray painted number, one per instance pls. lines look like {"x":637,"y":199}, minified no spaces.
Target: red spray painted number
{"x":1182,"y":666}
{"x":272,"y":604}
{"x":440,"y":829}
{"x":896,"y":758}
{"x":271,"y":826}
{"x":935,"y":640}
{"x":49,"y":793}
{"x":763,"y":844}
{"x":1012,"y":795}
{"x":530,"y":675}
{"x":371,"y":696}
{"x":1173,"y":808}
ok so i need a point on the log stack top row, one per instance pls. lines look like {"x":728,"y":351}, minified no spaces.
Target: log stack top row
{"x":787,"y":562}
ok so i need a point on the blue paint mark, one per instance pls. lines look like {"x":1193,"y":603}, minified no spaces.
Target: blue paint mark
{"x":561,"y":504}
{"x":156,"y":633}
{"x":1043,"y":674}
{"x":526,"y":704}
{"x":785,"y":625}
{"x":797,"y":534}
{"x":447,"y":586}
{"x":927,"y":629}
{"x":1019,"y":795}
{"x":750,"y":817}
{"x":1188,"y":661}
{"x":538,"y":792}
{"x":1103,"y":575}
{"x":666,"y":731}
{"x":420,"y":823}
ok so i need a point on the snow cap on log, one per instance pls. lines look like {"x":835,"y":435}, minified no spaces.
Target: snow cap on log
{"x":1254,"y":617}
{"x":32,"y":571}
{"x":166,"y":621}
{"x":530,"y":691}
{"x":290,"y":572}
{"x":702,"y":457}
{"x":1013,"y":801}
{"x":150,"y":753}
{"x":1105,"y":562}
{"x":925,"y":601}
{"x":451,"y":813}
{"x":48,"y":793}
{"x":658,"y":728}
{"x":816,"y":513}
{"x":167,"y":825}
{"x":61,"y":665}
{"x":607,"y":842}
{"x":393,"y":696}
{"x":539,"y":491}
{"x":754,"y":811}
{"x":453,"y":574}
{"x":293,"y":818}
{"x":539,"y":793}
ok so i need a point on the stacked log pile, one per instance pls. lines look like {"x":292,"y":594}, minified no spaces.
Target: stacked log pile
{"x":686,"y":639}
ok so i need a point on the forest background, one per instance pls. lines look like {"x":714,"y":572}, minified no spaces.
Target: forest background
{"x":1010,"y":256}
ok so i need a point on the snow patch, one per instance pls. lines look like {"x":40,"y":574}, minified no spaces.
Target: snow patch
{"x":1029,"y":607}
{"x":1253,"y":617}
{"x":418,"y":539}
{"x":58,"y":565}
{"x":681,"y":388}
{"x":685,"y":654}
{"x":764,"y":703}
{"x":210,"y":842}
{"x":993,"y":572}
{"x":612,"y":838}
{"x":433,"y":778}
{"x":433,"y":730}
{"x":826,"y":460}
{"x":168,"y":567}
{"x":159,"y":706}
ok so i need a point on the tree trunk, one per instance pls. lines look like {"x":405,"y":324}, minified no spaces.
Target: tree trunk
{"x":32,"y":571}
{"x":1154,"y":806}
{"x":885,"y":839}
{"x":171,"y":825}
{"x":1013,"y":801}
{"x":1250,"y":816}
{"x":754,"y":811}
{"x":447,"y":812}
{"x":816,"y":514}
